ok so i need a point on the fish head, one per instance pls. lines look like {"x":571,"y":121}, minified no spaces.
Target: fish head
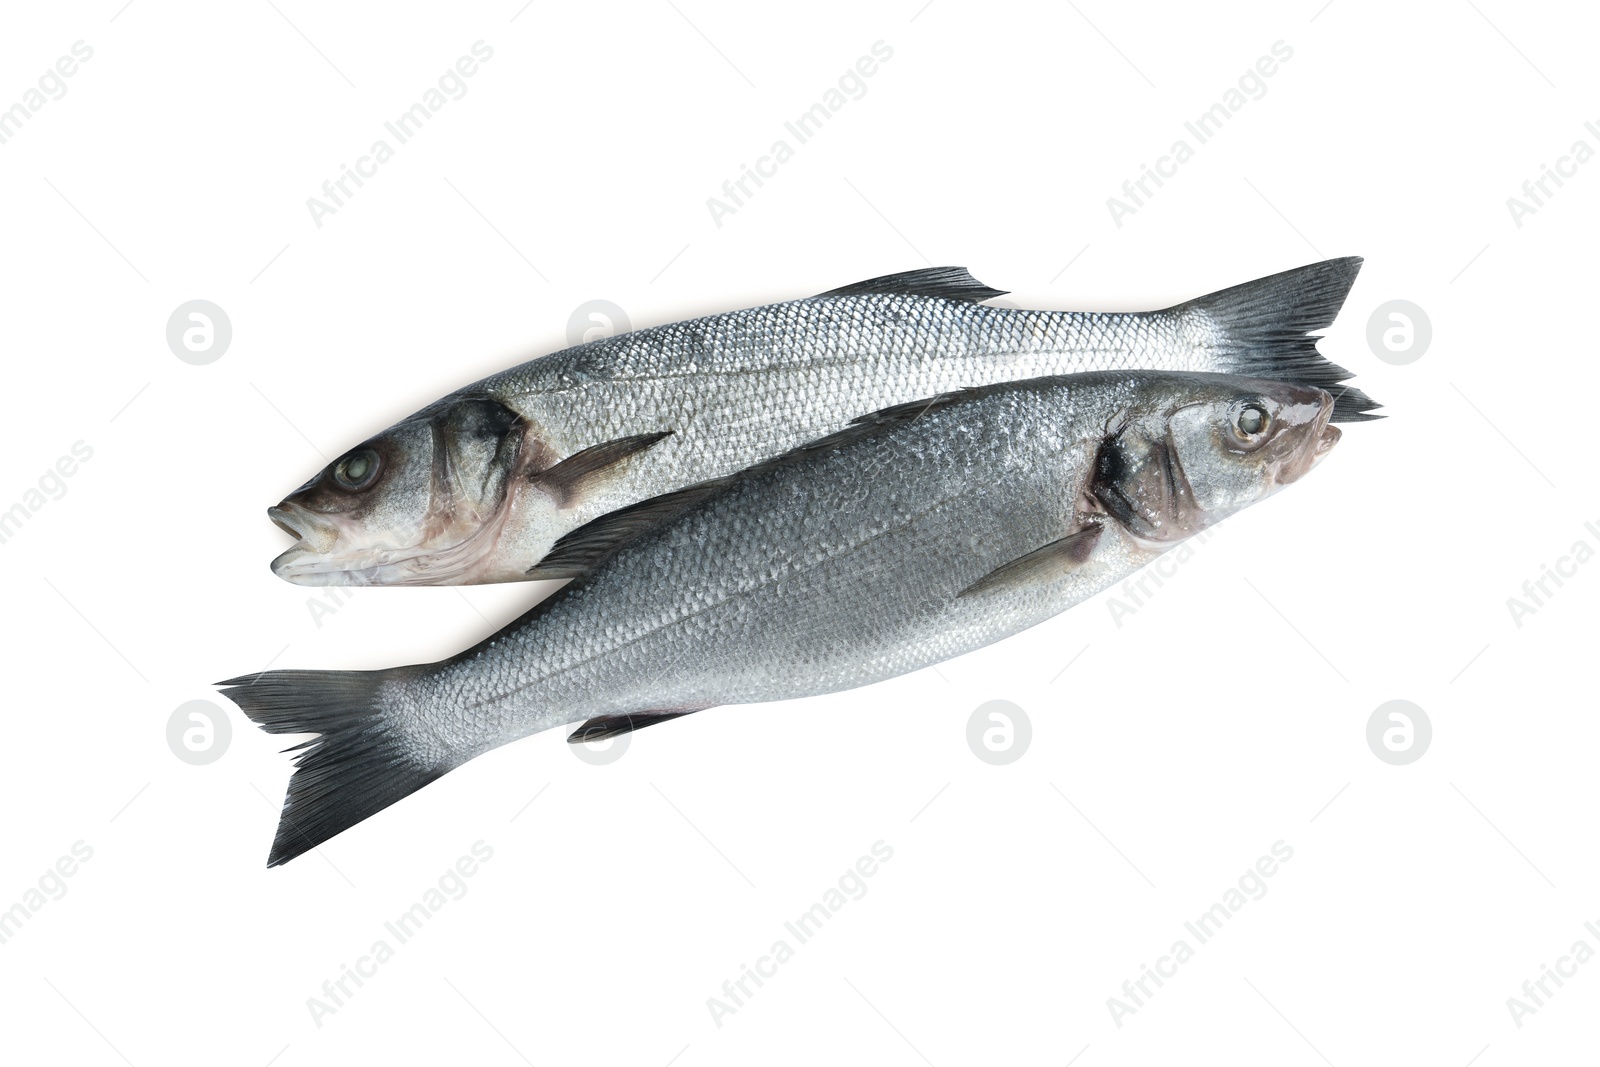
{"x":1181,"y":459}
{"x":423,"y":502}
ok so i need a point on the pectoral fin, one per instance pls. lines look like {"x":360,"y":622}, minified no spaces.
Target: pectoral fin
{"x":568,"y":480}
{"x":1041,"y":565}
{"x":602,"y":727}
{"x":585,"y":548}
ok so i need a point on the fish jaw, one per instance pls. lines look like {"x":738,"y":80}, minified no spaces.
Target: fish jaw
{"x":468,"y":551}
{"x":1323,"y":436}
{"x":321,"y":555}
{"x":301,"y":566}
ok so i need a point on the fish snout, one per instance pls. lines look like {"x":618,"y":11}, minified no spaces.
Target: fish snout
{"x":336,"y":550}
{"x":310,"y":560}
{"x":1315,"y":435}
{"x":312,"y":531}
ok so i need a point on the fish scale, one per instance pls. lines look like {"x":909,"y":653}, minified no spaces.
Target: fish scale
{"x":806,"y":367}
{"x":776,"y":546}
{"x":729,"y":390}
{"x":915,"y":535}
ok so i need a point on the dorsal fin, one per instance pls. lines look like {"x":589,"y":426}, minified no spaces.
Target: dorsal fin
{"x":952,"y":283}
{"x":585,"y":548}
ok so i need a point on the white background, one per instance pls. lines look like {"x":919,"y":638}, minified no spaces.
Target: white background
{"x":1226,"y":714}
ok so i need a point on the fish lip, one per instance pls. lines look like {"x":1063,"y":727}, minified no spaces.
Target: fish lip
{"x":288,"y":567}
{"x":1323,"y":435}
{"x":309,"y":560}
{"x":300,"y":564}
{"x":319,"y":558}
{"x":291,"y":567}
{"x":1330,"y":437}
{"x":1327,"y":433}
{"x":283,"y":520}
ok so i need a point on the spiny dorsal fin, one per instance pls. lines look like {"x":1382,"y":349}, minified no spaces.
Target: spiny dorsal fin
{"x":567,"y":480}
{"x":585,"y":548}
{"x":1041,"y":565}
{"x":603,"y":727}
{"x":952,"y":283}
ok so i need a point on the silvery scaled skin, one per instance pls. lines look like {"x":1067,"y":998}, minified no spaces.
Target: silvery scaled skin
{"x":473,"y":488}
{"x":917,"y":535}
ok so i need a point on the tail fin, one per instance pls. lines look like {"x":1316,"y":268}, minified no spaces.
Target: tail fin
{"x":359,"y":765}
{"x":1265,"y":329}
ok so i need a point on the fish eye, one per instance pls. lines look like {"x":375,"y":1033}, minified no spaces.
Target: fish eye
{"x":1250,"y":422}
{"x":357,"y":470}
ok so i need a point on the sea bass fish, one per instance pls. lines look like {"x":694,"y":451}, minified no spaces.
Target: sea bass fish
{"x":914,"y":535}
{"x":477,"y":487}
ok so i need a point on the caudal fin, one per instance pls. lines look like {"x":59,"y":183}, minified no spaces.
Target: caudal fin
{"x":356,"y":768}
{"x":1265,"y":329}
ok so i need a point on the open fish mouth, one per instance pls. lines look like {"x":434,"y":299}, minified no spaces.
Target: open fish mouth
{"x":285,"y":522}
{"x":313,"y":532}
{"x":310,"y":560}
{"x":323,"y":554}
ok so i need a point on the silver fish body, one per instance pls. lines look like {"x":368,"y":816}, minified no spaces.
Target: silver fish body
{"x":480,"y":485}
{"x":916,"y":535}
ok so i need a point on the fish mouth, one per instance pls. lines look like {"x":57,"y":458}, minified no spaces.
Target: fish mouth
{"x":1324,"y":433}
{"x":303,"y":565}
{"x":309,"y":561}
{"x":285,"y":522}
{"x":324,"y":554}
{"x":311,"y":530}
{"x":1314,"y":437}
{"x":300,"y":566}
{"x":1330,"y":437}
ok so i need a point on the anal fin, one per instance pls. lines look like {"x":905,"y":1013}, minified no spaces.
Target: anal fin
{"x":602,"y":727}
{"x":1041,"y":565}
